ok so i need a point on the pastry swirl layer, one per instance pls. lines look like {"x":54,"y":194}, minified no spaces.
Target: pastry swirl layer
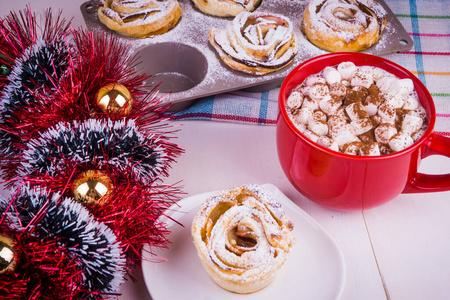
{"x":344,"y":25}
{"x":242,"y":237}
{"x":139,"y":18}
{"x":226,"y":8}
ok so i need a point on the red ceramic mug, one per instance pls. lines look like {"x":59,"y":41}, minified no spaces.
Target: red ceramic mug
{"x":346,"y":182}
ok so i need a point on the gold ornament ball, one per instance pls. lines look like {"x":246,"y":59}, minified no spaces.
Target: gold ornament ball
{"x":114,"y":99}
{"x":92,"y":187}
{"x":7,"y":260}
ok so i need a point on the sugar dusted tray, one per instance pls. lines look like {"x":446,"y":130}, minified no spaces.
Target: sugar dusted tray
{"x":188,"y":67}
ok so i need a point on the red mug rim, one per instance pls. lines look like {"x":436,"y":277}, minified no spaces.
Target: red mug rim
{"x":350,"y":56}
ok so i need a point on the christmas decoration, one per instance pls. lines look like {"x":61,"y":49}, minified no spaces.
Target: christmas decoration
{"x":7,"y":261}
{"x":131,"y":163}
{"x":114,"y":99}
{"x":32,"y":58}
{"x":92,"y":243}
{"x":19,"y":31}
{"x":43,"y":269}
{"x":92,"y":187}
{"x":104,"y":144}
{"x":87,"y":148}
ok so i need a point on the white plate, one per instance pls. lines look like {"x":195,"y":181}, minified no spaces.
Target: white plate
{"x":314,"y":270}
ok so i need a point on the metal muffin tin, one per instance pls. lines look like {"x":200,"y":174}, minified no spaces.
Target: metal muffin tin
{"x":187,"y":67}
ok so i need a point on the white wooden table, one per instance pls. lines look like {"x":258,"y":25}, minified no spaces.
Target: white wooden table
{"x":400,"y":250}
{"x":397,"y":251}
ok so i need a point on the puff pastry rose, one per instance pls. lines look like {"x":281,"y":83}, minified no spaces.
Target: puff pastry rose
{"x":255,"y":43}
{"x":242,"y":237}
{"x":139,"y":18}
{"x":344,"y":25}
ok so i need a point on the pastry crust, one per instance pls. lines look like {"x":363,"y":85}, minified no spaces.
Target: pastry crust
{"x":226,"y":8}
{"x":242,"y":237}
{"x":139,"y":18}
{"x":255,"y":43}
{"x":344,"y":26}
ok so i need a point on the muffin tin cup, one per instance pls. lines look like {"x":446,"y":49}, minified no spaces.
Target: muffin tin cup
{"x":187,"y":67}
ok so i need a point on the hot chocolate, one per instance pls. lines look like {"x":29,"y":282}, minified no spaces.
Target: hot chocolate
{"x":359,"y":110}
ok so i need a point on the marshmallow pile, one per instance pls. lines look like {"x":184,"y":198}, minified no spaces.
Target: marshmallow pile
{"x":359,"y":110}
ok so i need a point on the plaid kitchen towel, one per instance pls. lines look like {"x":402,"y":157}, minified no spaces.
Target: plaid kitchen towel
{"x":237,"y":106}
{"x":428,"y":24}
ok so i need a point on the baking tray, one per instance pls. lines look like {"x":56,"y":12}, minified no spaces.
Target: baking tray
{"x":187,"y":67}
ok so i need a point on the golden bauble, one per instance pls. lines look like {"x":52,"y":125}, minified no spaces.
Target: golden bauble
{"x":7,"y":260}
{"x":114,"y":99}
{"x":92,"y":187}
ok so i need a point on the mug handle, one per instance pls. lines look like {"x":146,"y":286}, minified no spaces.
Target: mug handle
{"x":425,"y":183}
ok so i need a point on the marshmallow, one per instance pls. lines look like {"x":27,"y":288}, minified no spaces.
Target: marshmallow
{"x":377,"y":73}
{"x":318,"y":126}
{"x":361,"y":78}
{"x":320,"y":115}
{"x":331,"y":75}
{"x":311,"y":135}
{"x":376,"y":120}
{"x":337,"y":121}
{"x":338,"y":90}
{"x":371,"y":108}
{"x":353,"y":148}
{"x":344,"y":134}
{"x":411,"y":102}
{"x":301,"y":127}
{"x":318,"y":91}
{"x":411,"y":123}
{"x":372,"y":101}
{"x":308,"y":103}
{"x":340,"y":113}
{"x":311,"y":80}
{"x":346,"y":69}
{"x":356,"y":94}
{"x":394,"y":99}
{"x":368,"y":136}
{"x":387,"y":113}
{"x":328,"y":143}
{"x":384,"y":132}
{"x":346,"y":82}
{"x":303,"y":115}
{"x":420,"y":112}
{"x":295,"y":99}
{"x":370,"y":149}
{"x":418,"y":134}
{"x":400,"y":141}
{"x":356,"y":111}
{"x":361,"y":125}
{"x":330,"y":106}
{"x":384,"y":83}
{"x":403,"y":86}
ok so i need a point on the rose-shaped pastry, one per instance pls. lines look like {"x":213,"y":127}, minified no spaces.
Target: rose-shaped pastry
{"x":242,"y":237}
{"x":255,"y":43}
{"x":344,"y":25}
{"x":226,"y":8}
{"x":139,"y":18}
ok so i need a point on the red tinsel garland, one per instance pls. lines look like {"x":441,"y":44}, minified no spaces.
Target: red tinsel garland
{"x":20,"y":30}
{"x":44,"y":270}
